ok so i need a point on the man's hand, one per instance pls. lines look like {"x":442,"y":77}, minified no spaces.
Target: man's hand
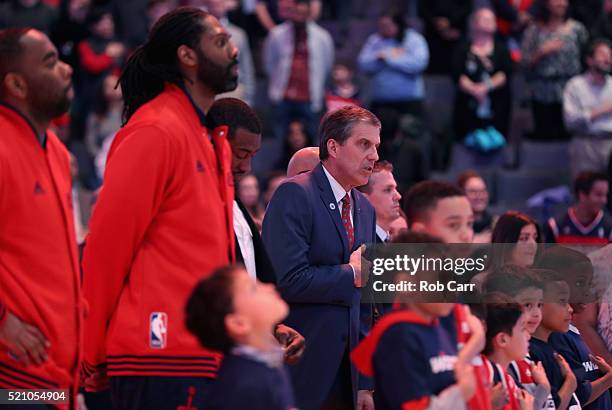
{"x":355,"y":262}
{"x":24,"y":342}
{"x":365,"y":400}
{"x":292,"y":341}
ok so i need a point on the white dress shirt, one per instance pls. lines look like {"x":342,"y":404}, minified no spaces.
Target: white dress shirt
{"x":245,"y":240}
{"x":381,"y":233}
{"x":339,"y":193}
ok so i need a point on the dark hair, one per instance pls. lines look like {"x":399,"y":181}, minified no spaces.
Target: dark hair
{"x":235,"y":114}
{"x":563,"y":260}
{"x":399,"y":20}
{"x":424,"y":196}
{"x":542,"y":13}
{"x":595,"y":44}
{"x":509,"y":225}
{"x":502,"y":315}
{"x":10,"y":51}
{"x":155,"y":62}
{"x":511,"y":280}
{"x":210,"y":302}
{"x":465,"y":176}
{"x":379,"y":166}
{"x":585,"y":180}
{"x":338,"y":125}
{"x":547,"y":276}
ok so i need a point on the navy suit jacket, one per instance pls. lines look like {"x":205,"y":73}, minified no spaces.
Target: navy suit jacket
{"x":308,"y":246}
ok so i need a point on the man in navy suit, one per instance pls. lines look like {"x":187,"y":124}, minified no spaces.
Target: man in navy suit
{"x":313,"y":229}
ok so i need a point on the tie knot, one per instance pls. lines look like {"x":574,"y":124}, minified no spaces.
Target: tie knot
{"x":346,"y":199}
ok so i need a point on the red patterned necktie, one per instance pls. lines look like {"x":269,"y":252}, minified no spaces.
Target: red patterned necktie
{"x":346,"y":220}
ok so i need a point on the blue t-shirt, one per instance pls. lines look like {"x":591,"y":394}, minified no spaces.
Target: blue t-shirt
{"x":573,"y":349}
{"x":543,"y":352}
{"x":245,"y":383}
{"x":412,"y":362}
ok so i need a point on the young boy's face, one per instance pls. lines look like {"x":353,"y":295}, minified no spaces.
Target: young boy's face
{"x":530,"y":300}
{"x":517,"y":346}
{"x":556,"y":312}
{"x":451,"y":220}
{"x":258,"y":304}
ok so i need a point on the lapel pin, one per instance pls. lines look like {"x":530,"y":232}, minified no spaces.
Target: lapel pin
{"x":332,"y":206}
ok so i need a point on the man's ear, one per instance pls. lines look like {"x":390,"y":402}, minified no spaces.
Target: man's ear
{"x":332,"y":148}
{"x":15,"y":85}
{"x":187,"y":56}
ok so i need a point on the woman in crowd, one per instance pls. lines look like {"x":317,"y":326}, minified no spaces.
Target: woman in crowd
{"x":552,"y":48}
{"x":481,"y":68}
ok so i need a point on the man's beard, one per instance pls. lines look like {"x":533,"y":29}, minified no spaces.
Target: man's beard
{"x":220,"y":79}
{"x":51,"y":107}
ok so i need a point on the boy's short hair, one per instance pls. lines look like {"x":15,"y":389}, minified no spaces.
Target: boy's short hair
{"x":511,"y":280}
{"x":563,"y":260}
{"x":502,"y":315}
{"x":210,"y":302}
{"x":424,"y":196}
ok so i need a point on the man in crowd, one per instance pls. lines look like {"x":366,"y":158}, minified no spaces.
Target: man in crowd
{"x":302,"y":161}
{"x":41,"y":308}
{"x":585,"y":222}
{"x":587,"y":109}
{"x":314,"y":228}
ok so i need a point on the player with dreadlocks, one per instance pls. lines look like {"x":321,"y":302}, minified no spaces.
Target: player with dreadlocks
{"x":163,"y":218}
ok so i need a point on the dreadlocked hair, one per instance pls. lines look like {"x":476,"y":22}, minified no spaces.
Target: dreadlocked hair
{"x":155,"y":62}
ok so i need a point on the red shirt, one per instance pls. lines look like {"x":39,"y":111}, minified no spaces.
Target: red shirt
{"x":298,"y":87}
{"x":39,"y":269}
{"x":163,"y":220}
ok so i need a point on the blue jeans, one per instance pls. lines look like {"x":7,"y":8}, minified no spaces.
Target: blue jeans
{"x":159,"y":393}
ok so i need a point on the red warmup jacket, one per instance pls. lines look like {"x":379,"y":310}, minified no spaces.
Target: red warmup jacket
{"x":39,"y":268}
{"x":163,"y":220}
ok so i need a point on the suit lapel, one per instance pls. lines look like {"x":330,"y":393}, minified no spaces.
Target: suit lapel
{"x":329,"y":202}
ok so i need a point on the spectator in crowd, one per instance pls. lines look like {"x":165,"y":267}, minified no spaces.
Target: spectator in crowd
{"x":104,"y":122}
{"x":343,"y":90}
{"x":297,"y":57}
{"x":603,"y":25}
{"x":395,"y":58}
{"x":381,"y":191}
{"x":275,"y":178}
{"x":99,"y":55}
{"x":296,"y":140}
{"x":247,"y":191}
{"x":233,"y":313}
{"x":244,"y":136}
{"x":445,"y":24}
{"x":70,"y":28}
{"x":165,"y":212}
{"x":318,"y":263}
{"x":587,"y":109}
{"x":517,"y":236}
{"x":512,"y":16}
{"x":41,"y":307}
{"x":246,"y":71}
{"x":552,"y":48}
{"x":585,"y":222}
{"x":556,"y":316}
{"x":302,"y":161}
{"x":482,"y":69}
{"x":271,"y":13}
{"x":27,"y":13}
{"x":440,"y":209}
{"x":476,"y":191}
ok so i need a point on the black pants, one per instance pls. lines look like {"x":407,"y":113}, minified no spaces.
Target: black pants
{"x":548,"y":120}
{"x":159,"y":393}
{"x":340,"y":396}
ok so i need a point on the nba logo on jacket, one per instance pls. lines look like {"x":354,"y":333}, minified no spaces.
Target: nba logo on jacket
{"x":158,"y":330}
